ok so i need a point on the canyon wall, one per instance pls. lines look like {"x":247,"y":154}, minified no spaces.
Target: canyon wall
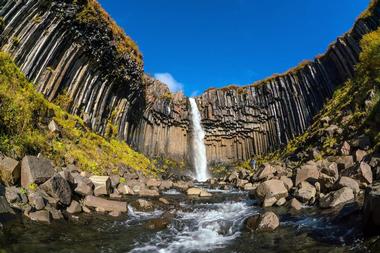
{"x":69,"y":53}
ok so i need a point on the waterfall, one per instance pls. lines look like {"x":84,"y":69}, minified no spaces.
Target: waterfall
{"x":199,"y":148}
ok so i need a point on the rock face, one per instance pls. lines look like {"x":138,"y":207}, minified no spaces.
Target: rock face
{"x":66,"y":56}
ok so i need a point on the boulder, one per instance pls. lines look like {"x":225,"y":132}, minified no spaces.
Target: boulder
{"x":194,"y":191}
{"x":271,"y":189}
{"x":83,"y":189}
{"x":346,"y":148}
{"x":74,"y":207}
{"x":350,"y":183}
{"x":124,"y":189}
{"x":36,"y":200}
{"x":307,"y":172}
{"x":115,"y":180}
{"x":305,"y":192}
{"x":205,"y":194}
{"x":4,"y":206}
{"x":371,"y":209}
{"x":102,"y":185}
{"x":295,"y":204}
{"x":266,"y":222}
{"x":153,"y":182}
{"x":359,"y":155}
{"x":35,"y":170}
{"x":143,"y":205}
{"x":166,"y":185}
{"x":10,"y":171}
{"x":40,"y":216}
{"x":366,"y":172}
{"x":12,"y":194}
{"x":104,"y":204}
{"x":58,"y":188}
{"x":148,"y":193}
{"x":181,"y":185}
{"x":115,"y":213}
{"x":281,"y":202}
{"x":343,"y":162}
{"x":287,"y":182}
{"x":266,"y":172}
{"x":337,"y":198}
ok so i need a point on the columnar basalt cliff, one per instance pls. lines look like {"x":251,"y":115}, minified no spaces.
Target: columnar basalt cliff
{"x":72,"y":49}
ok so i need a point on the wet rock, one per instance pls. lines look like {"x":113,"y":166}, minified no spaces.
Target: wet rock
{"x":104,"y":204}
{"x":305,"y":192}
{"x":58,"y":188}
{"x":366,"y":172}
{"x":371,"y":209}
{"x":102,"y":185}
{"x":307,"y":172}
{"x":40,"y":216}
{"x":74,"y":207}
{"x":266,"y":222}
{"x":350,"y":183}
{"x":148,"y":193}
{"x":10,"y":171}
{"x":143,"y":205}
{"x":271,"y":189}
{"x":295,"y":204}
{"x":337,"y":198}
{"x":35,"y":170}
{"x":83,"y":189}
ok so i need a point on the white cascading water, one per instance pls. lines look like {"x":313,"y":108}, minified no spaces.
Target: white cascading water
{"x":199,"y":148}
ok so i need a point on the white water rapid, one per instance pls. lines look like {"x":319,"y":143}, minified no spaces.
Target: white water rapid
{"x":199,"y":148}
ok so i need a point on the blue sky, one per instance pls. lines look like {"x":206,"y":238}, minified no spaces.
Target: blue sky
{"x":197,"y":44}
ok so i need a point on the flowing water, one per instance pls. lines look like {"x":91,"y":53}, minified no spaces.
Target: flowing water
{"x":199,"y":148}
{"x":195,"y":225}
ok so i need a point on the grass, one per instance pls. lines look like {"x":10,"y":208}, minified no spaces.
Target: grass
{"x":24,"y":115}
{"x":91,"y":13}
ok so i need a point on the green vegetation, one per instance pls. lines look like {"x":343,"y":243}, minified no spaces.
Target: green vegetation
{"x":355,"y":107}
{"x":32,"y":187}
{"x":168,"y":96}
{"x":37,"y":19}
{"x":93,"y":14}
{"x":24,"y":115}
{"x":2,"y":24}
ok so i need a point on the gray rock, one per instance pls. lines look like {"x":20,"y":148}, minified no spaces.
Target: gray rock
{"x":58,"y":188}
{"x":102,"y":185}
{"x":106,"y":205}
{"x":350,"y":183}
{"x":271,"y":189}
{"x":40,"y":216}
{"x":35,"y":170}
{"x":148,"y":193}
{"x":36,"y":200}
{"x":295,"y":204}
{"x":12,"y":194}
{"x":4,"y":206}
{"x":53,"y":127}
{"x":334,"y":199}
{"x":142,"y":205}
{"x":83,"y":189}
{"x":74,"y":207}
{"x":266,"y":222}
{"x":307,"y":172}
{"x":366,"y":172}
{"x":305,"y":192}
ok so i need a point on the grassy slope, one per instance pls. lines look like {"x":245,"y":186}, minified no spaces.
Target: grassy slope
{"x":355,"y":107}
{"x":25,"y":114}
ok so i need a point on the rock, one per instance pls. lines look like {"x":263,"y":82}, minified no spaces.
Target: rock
{"x":40,"y":216}
{"x":35,"y":170}
{"x":359,"y":155}
{"x":4,"y":206}
{"x":115,"y":180}
{"x":164,"y":201}
{"x":346,"y":148}
{"x":166,"y":185}
{"x":157,"y":224}
{"x":287,"y":182}
{"x":10,"y":171}
{"x":305,"y":192}
{"x":53,"y":127}
{"x":85,"y":174}
{"x":181,"y":185}
{"x":107,"y":205}
{"x":55,"y":214}
{"x":115,"y":195}
{"x":143,"y":205}
{"x":295,"y":204}
{"x":266,"y":172}
{"x":371,"y":209}
{"x":67,"y":175}
{"x":271,"y":188}
{"x":336,"y":198}
{"x":115,"y":213}
{"x":344,"y":162}
{"x":249,"y":187}
{"x":36,"y":200}
{"x":268,"y":202}
{"x":194,"y":191}
{"x":12,"y":194}
{"x":366,"y":172}
{"x":350,"y":183}
{"x":58,"y":188}
{"x":153,"y":182}
{"x":307,"y":172}
{"x":333,"y":129}
{"x":74,"y":207}
{"x":83,"y":189}
{"x":281,"y":202}
{"x":124,"y":189}
{"x":102,"y":185}
{"x":205,"y":194}
{"x":266,"y":222}
{"x":148,"y":193}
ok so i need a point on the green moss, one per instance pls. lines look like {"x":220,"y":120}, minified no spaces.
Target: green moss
{"x":23,"y":130}
{"x":32,"y":187}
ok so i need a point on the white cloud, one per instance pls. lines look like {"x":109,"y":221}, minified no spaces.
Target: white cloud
{"x":168,"y":79}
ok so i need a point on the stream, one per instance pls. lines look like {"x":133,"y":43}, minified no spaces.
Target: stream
{"x":195,"y":225}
